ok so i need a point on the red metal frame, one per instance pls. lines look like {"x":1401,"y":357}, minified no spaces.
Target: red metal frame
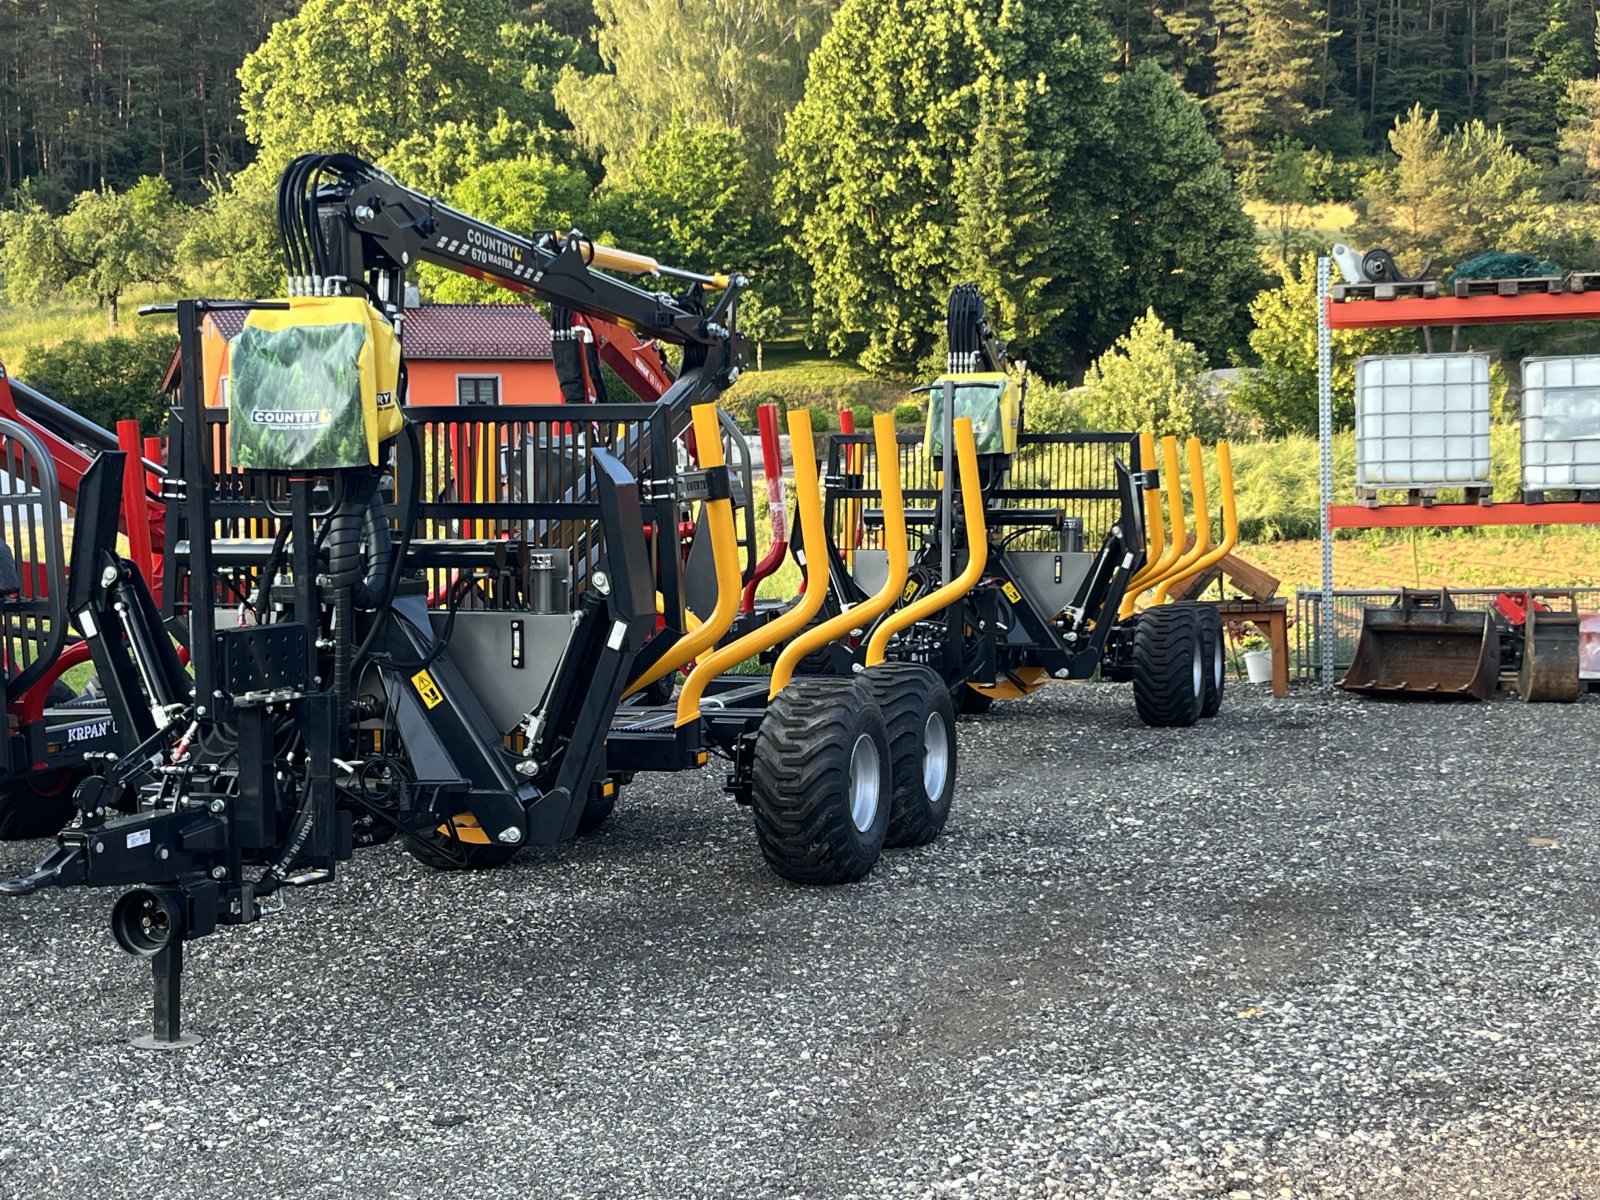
{"x":1415,"y":516}
{"x":772,"y":470}
{"x":1415,"y":312}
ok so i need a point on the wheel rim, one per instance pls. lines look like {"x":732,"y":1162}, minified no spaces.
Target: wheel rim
{"x":865,"y":767}
{"x":1199,"y":670}
{"x":935,"y":756}
{"x":1218,"y":667}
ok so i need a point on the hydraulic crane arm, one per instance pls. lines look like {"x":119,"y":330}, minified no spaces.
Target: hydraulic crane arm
{"x":346,"y":225}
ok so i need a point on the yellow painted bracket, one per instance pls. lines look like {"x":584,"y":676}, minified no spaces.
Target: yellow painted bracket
{"x":1230,"y":526}
{"x":724,"y":557}
{"x":1172,"y":485}
{"x":894,"y":541}
{"x":808,"y":495}
{"x":977,"y":551}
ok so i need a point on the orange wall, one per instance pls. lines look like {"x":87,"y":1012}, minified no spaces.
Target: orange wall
{"x":434,"y":381}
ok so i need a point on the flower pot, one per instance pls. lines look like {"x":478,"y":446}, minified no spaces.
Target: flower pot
{"x":1258,"y":665}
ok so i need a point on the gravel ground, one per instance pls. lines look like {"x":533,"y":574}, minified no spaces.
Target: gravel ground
{"x":1317,"y":947}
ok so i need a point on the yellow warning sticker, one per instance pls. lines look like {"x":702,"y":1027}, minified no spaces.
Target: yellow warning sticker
{"x":427,"y":689}
{"x":911,"y":590}
{"x":1011,"y":591}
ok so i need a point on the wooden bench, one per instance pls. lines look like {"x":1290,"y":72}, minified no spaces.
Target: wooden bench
{"x":1271,"y":618}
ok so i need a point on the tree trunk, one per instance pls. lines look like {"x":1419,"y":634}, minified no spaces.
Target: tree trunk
{"x":111,"y":311}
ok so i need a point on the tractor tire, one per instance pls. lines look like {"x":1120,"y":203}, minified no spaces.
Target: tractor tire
{"x":452,"y":846}
{"x":822,"y":781}
{"x":1168,"y":668}
{"x":1212,"y":657}
{"x":38,"y":804}
{"x":970,"y":702}
{"x":921,"y":722}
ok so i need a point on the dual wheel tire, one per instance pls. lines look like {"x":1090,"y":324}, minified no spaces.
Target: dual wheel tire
{"x":843,"y":767}
{"x":1178,"y":668}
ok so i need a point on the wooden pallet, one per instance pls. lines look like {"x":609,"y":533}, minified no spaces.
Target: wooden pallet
{"x":1421,"y":289}
{"x":1561,"y":495}
{"x":1423,"y":497}
{"x":1552,"y":285}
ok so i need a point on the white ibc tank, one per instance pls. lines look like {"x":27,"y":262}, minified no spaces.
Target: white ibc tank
{"x":1561,"y":422}
{"x":1422,"y":421}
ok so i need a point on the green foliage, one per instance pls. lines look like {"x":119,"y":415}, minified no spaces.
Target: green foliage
{"x":690,"y":198}
{"x":106,"y":379}
{"x":733,"y":64}
{"x":1052,"y":409}
{"x":105,"y":243}
{"x":759,"y":323}
{"x":522,"y":194}
{"x":231,"y":247}
{"x":901,"y":95}
{"x":372,"y":76}
{"x":909,"y":412}
{"x":1151,"y":380}
{"x":1283,"y":392}
{"x":1450,"y":194}
{"x":809,"y":383}
{"x":1181,"y":235}
{"x":1269,"y":56}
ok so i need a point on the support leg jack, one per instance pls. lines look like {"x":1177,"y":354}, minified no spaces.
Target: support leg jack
{"x":166,"y":971}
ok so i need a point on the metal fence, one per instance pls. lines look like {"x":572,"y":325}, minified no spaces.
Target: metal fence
{"x":1306,"y":648}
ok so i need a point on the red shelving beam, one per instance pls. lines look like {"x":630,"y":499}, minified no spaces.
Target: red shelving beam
{"x":1413,"y":311}
{"x":1415,"y":516}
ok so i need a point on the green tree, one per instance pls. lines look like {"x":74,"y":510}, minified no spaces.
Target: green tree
{"x":106,"y":379}
{"x":1270,"y":61}
{"x":369,"y":76}
{"x":759,"y":322}
{"x":104,"y":244}
{"x":690,"y":197}
{"x":738,"y":64}
{"x":231,"y":247}
{"x":524,"y":195}
{"x":1449,"y":194}
{"x":1283,"y":391}
{"x":1151,"y":380}
{"x":1181,"y":237}
{"x":1292,"y":178}
{"x":876,"y":157}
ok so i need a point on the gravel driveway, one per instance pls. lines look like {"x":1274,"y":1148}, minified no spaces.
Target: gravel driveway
{"x":1316,"y":947}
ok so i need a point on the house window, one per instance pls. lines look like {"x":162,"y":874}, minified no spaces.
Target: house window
{"x":477,"y":389}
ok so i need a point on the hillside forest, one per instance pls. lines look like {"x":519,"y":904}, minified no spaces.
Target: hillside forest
{"x":1139,"y":188}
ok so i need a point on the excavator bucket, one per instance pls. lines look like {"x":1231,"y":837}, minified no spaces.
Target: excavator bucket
{"x":1549,"y":657}
{"x":1424,"y":647}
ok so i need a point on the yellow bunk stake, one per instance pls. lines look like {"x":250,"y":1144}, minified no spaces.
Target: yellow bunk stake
{"x":1173,"y":487}
{"x":894,"y":540}
{"x":1230,"y":526}
{"x":724,"y":556}
{"x":808,"y":493}
{"x":977,"y":551}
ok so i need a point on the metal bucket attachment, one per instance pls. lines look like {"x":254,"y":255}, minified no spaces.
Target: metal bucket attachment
{"x":1424,"y":647}
{"x":1549,"y":657}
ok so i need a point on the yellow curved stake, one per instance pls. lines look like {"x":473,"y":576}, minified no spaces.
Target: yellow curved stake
{"x":724,"y":557}
{"x":1202,"y":516}
{"x":808,"y":495}
{"x":1172,"y":485}
{"x":1230,"y":526}
{"x":977,"y":551}
{"x":894,"y":541}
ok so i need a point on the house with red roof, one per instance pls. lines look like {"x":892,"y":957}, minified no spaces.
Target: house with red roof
{"x":455,"y":354}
